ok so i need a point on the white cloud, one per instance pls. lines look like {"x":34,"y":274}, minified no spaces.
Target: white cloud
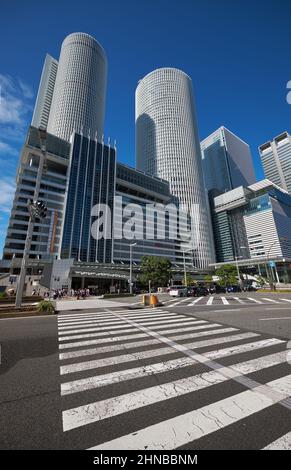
{"x":7,"y":149}
{"x":15,"y":113}
{"x":14,"y":105}
{"x":26,"y":89}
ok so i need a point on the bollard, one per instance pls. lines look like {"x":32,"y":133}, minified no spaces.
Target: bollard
{"x":154,"y":300}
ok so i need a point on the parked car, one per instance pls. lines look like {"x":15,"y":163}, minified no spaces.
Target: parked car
{"x":198,"y":291}
{"x":178,"y":291}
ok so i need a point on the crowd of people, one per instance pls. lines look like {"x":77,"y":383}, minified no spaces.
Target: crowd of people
{"x":58,"y":294}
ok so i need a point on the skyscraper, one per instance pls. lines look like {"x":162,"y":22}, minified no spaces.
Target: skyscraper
{"x":45,"y":93}
{"x":167,"y":146}
{"x":78,"y":102}
{"x":276,"y":159}
{"x":227,"y":161}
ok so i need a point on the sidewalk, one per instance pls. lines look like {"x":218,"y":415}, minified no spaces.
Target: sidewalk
{"x":62,"y":305}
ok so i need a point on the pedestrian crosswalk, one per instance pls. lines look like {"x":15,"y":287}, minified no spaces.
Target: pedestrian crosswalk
{"x":161,"y":380}
{"x":223,"y":300}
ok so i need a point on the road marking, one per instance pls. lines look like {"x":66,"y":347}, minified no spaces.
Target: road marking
{"x":243,"y":348}
{"x":177,"y":303}
{"x":109,"y":337}
{"x":195,"y":301}
{"x":286,"y":300}
{"x":239,"y":300}
{"x":114,"y":321}
{"x":210,"y":300}
{"x":260,"y":363}
{"x":224,"y":301}
{"x":139,"y":335}
{"x":122,"y":375}
{"x":228,"y":310}
{"x":146,"y":323}
{"x":89,"y":383}
{"x":180,"y":430}
{"x":129,"y":328}
{"x":139,"y":344}
{"x":94,"y":364}
{"x":254,"y":300}
{"x":283,"y":443}
{"x":90,"y":413}
{"x":127,"y":315}
{"x":275,"y":318}
{"x":270,"y":300}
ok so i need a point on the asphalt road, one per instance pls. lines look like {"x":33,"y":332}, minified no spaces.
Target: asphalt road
{"x":182,"y":376}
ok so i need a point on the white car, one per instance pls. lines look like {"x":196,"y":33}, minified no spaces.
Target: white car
{"x":178,"y":291}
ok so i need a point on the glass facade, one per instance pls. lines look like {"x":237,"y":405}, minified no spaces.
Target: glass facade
{"x":91,"y":182}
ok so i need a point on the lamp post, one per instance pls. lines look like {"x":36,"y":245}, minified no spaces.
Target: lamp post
{"x":184,"y":263}
{"x":270,"y":279}
{"x":237,"y":266}
{"x":130,"y":266}
{"x":36,"y":209}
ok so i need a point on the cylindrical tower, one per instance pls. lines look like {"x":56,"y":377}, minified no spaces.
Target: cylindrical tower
{"x":167,"y":146}
{"x":79,"y":94}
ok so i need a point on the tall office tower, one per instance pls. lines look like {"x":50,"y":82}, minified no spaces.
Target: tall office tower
{"x":167,"y":146}
{"x":45,"y":93}
{"x":227,"y":161}
{"x":78,"y":102}
{"x":276,"y":160}
{"x":41,"y":175}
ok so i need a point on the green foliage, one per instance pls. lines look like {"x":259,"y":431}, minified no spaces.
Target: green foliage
{"x":154,"y":269}
{"x":45,"y":306}
{"x":208,"y":279}
{"x":227,"y":275}
{"x":3,"y":295}
{"x":261,"y":281}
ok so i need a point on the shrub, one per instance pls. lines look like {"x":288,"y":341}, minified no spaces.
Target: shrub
{"x":3,"y":295}
{"x":45,"y":306}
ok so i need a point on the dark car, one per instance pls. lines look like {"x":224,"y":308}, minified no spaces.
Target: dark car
{"x":197,"y":291}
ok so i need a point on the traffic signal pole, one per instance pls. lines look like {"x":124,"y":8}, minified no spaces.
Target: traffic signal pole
{"x":33,"y":214}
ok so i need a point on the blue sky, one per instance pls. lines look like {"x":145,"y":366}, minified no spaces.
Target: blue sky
{"x":238,"y":54}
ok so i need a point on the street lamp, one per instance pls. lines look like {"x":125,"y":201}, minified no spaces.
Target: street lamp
{"x":37,"y":209}
{"x":270,"y":279}
{"x":237,"y":266}
{"x":184,"y":262}
{"x":130,"y":266}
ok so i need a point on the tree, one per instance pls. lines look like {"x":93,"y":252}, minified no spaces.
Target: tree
{"x":208,"y":279}
{"x":154,"y":269}
{"x":227,"y":275}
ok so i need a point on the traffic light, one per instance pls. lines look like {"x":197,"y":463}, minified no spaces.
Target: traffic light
{"x":41,"y":209}
{"x":37,"y":209}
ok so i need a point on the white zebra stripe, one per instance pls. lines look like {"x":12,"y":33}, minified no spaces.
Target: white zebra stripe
{"x":114,"y":320}
{"x":92,"y":412}
{"x":123,"y":375}
{"x":286,"y":300}
{"x":283,"y":443}
{"x":88,"y":383}
{"x":239,"y":300}
{"x":210,"y":300}
{"x":111,"y":317}
{"x":243,"y":348}
{"x":146,"y":323}
{"x":224,"y":301}
{"x":195,"y":301}
{"x":94,"y":364}
{"x":138,"y":344}
{"x":185,"y":428}
{"x":126,"y":329}
{"x":254,"y":300}
{"x":271,"y":300}
{"x":108,"y":336}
